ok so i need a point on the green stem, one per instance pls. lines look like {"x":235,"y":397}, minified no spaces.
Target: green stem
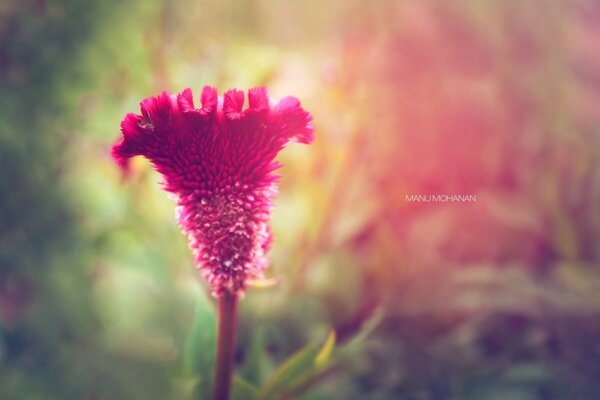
{"x":227,"y":310}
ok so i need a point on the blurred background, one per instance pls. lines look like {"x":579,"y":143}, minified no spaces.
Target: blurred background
{"x":497,"y":299}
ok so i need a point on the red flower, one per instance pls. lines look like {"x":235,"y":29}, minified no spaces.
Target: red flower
{"x":218,"y":162}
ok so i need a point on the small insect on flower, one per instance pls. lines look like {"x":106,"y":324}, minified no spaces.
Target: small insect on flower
{"x":218,"y":162}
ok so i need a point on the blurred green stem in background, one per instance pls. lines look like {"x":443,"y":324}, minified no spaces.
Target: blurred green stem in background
{"x":225,"y":346}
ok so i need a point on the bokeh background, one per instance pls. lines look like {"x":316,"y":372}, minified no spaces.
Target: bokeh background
{"x":497,"y":299}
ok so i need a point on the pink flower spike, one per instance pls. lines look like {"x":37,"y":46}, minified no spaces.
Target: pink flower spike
{"x":218,"y":162}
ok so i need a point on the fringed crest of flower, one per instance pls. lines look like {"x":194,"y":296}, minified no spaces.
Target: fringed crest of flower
{"x":218,"y":162}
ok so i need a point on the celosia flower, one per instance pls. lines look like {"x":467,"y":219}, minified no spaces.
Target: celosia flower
{"x":218,"y":162}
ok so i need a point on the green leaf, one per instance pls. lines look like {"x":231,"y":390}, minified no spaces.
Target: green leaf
{"x":297,"y":371}
{"x":366,"y":329}
{"x":243,"y":390}
{"x":256,"y":365}
{"x":199,"y":348}
{"x":297,"y":365}
{"x":325,"y":353}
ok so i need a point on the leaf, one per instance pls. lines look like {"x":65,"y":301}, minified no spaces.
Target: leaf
{"x":198,"y":355}
{"x":243,"y":390}
{"x":325,"y":353}
{"x":256,"y":365}
{"x":299,"y":369}
{"x":366,"y":329}
{"x":294,"y":367}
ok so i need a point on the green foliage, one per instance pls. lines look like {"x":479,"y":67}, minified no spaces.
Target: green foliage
{"x":295,"y":373}
{"x":198,"y":352}
{"x":257,"y":364}
{"x":497,"y":299}
{"x":243,"y":390}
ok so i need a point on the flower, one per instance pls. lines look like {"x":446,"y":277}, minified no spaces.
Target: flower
{"x":218,"y":162}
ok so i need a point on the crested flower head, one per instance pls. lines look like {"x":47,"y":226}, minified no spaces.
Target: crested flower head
{"x":218,"y":162}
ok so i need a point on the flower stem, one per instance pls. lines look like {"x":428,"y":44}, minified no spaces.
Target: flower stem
{"x":227,"y":310}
